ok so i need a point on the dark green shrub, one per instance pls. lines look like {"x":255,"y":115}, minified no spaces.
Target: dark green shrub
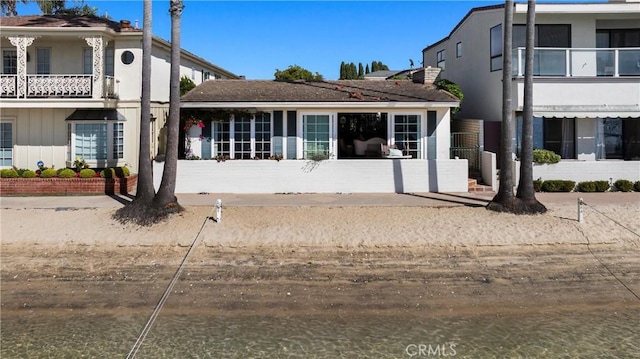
{"x":28,"y":174}
{"x":588,"y":186}
{"x":558,"y":186}
{"x":48,"y":173}
{"x":87,"y":173}
{"x":453,"y":89}
{"x":537,"y":185}
{"x":602,"y":186}
{"x":20,"y":171}
{"x":67,"y":173}
{"x":8,"y":173}
{"x":623,"y":185}
{"x":108,"y":173}
{"x":636,"y":186}
{"x":545,"y":156}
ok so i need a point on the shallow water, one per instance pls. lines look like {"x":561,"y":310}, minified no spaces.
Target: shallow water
{"x":611,"y":333}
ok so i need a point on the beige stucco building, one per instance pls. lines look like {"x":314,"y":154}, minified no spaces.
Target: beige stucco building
{"x":70,"y":87}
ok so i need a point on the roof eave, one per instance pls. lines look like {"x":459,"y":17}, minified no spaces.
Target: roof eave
{"x":391,"y":105}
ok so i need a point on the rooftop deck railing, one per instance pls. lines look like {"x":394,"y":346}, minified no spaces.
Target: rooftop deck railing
{"x":580,"y":62}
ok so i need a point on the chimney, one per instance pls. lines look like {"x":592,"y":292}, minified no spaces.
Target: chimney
{"x":426,"y":75}
{"x":125,"y":24}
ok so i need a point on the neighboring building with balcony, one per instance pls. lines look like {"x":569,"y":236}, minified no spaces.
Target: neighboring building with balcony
{"x":70,"y":87}
{"x":586,"y":91}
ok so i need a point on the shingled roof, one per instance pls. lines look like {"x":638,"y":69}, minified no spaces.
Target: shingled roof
{"x":66,"y":21}
{"x":221,"y":91}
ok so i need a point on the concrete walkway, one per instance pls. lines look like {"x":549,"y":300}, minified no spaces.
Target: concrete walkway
{"x":321,"y":199}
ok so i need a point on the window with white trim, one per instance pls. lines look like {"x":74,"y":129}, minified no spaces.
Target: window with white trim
{"x":263,"y":136}
{"x":87,"y":61}
{"x":109,"y":62}
{"x":408,"y":134}
{"x":43,"y":60}
{"x":316,"y":136}
{"x":97,"y":142}
{"x":242,"y":138}
{"x":6,"y":144}
{"x":220,"y":139}
{"x":9,"y":62}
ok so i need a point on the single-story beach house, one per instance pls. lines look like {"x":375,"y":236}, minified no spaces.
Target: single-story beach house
{"x":323,"y":137}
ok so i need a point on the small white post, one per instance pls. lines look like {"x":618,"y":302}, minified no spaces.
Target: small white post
{"x":580,"y":210}
{"x":218,"y":210}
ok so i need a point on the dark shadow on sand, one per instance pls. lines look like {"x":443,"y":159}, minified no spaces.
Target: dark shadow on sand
{"x":123,"y":199}
{"x":452,"y":198}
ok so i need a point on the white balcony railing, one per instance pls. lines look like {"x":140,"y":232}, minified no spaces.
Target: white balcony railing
{"x":59,"y":85}
{"x":43,"y":86}
{"x":580,"y":62}
{"x":9,"y":85}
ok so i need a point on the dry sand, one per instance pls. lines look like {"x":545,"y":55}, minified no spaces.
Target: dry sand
{"x":272,"y":228}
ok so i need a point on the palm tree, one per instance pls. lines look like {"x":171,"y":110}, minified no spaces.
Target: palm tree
{"x":145,"y":191}
{"x":504,"y":200}
{"x":165,"y":200}
{"x":526,"y":191}
{"x":140,"y":210}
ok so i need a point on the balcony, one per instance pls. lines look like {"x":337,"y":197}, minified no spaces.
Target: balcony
{"x":579,"y":62}
{"x":55,"y":86}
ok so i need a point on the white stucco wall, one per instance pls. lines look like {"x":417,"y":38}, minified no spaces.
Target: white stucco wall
{"x":329,"y":176}
{"x":588,"y":170}
{"x":128,"y":77}
{"x":603,"y":92}
{"x":482,"y":88}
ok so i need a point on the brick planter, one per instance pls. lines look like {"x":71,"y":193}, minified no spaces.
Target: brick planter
{"x":66,"y":186}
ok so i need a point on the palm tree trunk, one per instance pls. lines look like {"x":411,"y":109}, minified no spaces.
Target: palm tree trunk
{"x":526,"y":192}
{"x":166,"y":197}
{"x":504,"y":200}
{"x":145,"y":191}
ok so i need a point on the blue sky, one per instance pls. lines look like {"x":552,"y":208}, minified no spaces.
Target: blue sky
{"x":254,"y":38}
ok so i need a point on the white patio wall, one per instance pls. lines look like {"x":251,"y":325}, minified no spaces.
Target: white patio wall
{"x":329,"y":176}
{"x":580,"y":171}
{"x":489,"y":170}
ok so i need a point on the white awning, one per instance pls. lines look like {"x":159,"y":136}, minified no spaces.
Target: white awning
{"x":590,"y":114}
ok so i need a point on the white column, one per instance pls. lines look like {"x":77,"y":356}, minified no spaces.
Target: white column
{"x":21,"y":43}
{"x":98,"y":44}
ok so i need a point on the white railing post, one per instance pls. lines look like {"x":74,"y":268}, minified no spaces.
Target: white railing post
{"x":616,"y":63}
{"x":568,"y":63}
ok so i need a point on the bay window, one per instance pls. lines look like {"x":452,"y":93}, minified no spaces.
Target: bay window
{"x":100,"y":143}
